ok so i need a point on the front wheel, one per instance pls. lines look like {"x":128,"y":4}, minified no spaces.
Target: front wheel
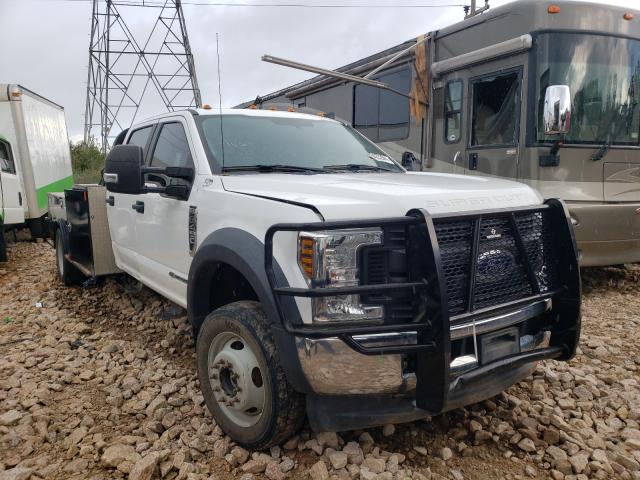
{"x":242,"y":381}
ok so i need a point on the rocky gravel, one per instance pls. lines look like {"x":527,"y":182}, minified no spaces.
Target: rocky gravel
{"x":100,"y":382}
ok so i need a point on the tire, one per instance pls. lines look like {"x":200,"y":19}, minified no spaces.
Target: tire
{"x":69,"y":274}
{"x":3,"y":244}
{"x":233,"y":341}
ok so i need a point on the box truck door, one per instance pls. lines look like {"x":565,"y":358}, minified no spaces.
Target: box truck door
{"x":11,"y":209}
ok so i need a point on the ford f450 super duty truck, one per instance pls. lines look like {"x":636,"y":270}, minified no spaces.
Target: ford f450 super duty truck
{"x":319,"y":275}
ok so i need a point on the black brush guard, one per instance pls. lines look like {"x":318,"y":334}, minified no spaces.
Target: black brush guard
{"x":432,"y":322}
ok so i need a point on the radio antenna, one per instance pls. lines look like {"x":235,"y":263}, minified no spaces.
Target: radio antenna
{"x":220,"y":97}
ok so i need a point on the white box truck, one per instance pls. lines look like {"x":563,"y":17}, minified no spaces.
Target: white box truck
{"x":34,"y":158}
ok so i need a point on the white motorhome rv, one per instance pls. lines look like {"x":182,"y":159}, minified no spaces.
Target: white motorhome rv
{"x":34,"y":158}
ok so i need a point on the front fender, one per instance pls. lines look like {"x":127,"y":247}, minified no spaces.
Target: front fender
{"x":245,"y":253}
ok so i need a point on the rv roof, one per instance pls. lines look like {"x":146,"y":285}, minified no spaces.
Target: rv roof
{"x":532,"y":12}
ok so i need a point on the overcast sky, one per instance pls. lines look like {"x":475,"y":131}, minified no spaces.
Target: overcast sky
{"x":45,"y":43}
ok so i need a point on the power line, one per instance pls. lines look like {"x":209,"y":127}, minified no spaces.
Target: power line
{"x":157,"y":4}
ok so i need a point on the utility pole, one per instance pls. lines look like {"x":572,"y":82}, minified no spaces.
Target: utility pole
{"x":472,"y":10}
{"x":126,"y":68}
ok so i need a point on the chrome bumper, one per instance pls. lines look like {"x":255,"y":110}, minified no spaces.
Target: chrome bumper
{"x":333,"y":368}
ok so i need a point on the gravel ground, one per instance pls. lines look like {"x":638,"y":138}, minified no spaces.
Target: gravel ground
{"x":101,"y":383}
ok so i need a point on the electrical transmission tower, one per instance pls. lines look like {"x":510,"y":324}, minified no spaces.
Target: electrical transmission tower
{"x":130,"y":72}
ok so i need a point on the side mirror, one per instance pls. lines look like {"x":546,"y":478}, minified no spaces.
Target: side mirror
{"x":407,"y":160}
{"x":123,"y":170}
{"x":124,"y":173}
{"x":557,"y":110}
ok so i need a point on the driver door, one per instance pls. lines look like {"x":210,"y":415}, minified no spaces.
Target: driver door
{"x":11,"y":209}
{"x":162,"y":223}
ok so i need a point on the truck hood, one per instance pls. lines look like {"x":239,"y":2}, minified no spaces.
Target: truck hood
{"x":340,"y":196}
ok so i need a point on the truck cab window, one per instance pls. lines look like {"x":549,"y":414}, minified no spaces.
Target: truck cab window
{"x":172,"y":147}
{"x":495,"y":110}
{"x":140,"y":137}
{"x":383,"y":115}
{"x":6,"y":159}
{"x":452,"y":111}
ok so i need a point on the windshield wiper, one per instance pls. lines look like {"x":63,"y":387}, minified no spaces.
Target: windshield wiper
{"x":357,"y":167}
{"x":602,"y":151}
{"x":272,"y":168}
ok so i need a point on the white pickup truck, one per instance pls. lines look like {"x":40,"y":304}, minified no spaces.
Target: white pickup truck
{"x":320,"y":276}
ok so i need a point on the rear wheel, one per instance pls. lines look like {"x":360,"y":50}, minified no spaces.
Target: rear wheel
{"x":69,"y":274}
{"x":242,"y":381}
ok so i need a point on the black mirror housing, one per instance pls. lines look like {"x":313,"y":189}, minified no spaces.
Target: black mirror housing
{"x":407,"y":160}
{"x":123,"y":170}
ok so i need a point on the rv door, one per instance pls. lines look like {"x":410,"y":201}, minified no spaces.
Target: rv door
{"x":494,"y":130}
{"x":11,"y":209}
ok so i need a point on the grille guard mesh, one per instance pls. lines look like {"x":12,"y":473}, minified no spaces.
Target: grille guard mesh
{"x":431,"y":283}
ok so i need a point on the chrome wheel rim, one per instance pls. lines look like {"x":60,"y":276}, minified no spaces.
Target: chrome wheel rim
{"x":236,"y":379}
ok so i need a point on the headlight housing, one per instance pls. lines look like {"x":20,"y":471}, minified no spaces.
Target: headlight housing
{"x":329,"y":259}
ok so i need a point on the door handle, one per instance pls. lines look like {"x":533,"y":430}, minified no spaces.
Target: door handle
{"x":456,"y":158}
{"x":20,"y":198}
{"x":111,"y":200}
{"x":138,"y":206}
{"x":473,"y":161}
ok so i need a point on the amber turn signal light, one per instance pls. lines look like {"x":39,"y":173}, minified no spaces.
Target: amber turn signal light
{"x":553,"y":9}
{"x":305,"y":255}
{"x":628,"y":16}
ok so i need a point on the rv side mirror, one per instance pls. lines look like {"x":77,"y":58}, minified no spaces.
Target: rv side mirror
{"x":557,"y":110}
{"x":123,"y":170}
{"x":407,"y":160}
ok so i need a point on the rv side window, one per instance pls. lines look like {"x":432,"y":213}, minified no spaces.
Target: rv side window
{"x":140,"y":137}
{"x":383,"y":115}
{"x":6,"y":158}
{"x":495,"y":110}
{"x":452,"y":111}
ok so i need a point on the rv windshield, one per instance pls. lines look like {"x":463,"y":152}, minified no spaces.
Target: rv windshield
{"x":290,"y":143}
{"x":603,"y":73}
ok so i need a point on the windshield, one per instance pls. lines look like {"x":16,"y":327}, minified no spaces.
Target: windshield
{"x":310,"y":143}
{"x":603,"y":73}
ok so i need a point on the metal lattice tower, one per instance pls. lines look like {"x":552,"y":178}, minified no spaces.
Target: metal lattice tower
{"x":124,"y":72}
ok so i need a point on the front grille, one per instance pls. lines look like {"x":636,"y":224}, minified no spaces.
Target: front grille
{"x":501,"y":269}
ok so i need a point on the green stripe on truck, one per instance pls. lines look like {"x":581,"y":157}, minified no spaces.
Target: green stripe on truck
{"x":57,"y":186}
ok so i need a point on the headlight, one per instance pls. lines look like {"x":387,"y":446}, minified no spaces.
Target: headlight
{"x":329,"y":259}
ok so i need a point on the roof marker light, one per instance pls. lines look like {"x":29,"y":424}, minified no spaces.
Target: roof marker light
{"x":553,"y":9}
{"x":206,"y":106}
{"x":628,"y":16}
